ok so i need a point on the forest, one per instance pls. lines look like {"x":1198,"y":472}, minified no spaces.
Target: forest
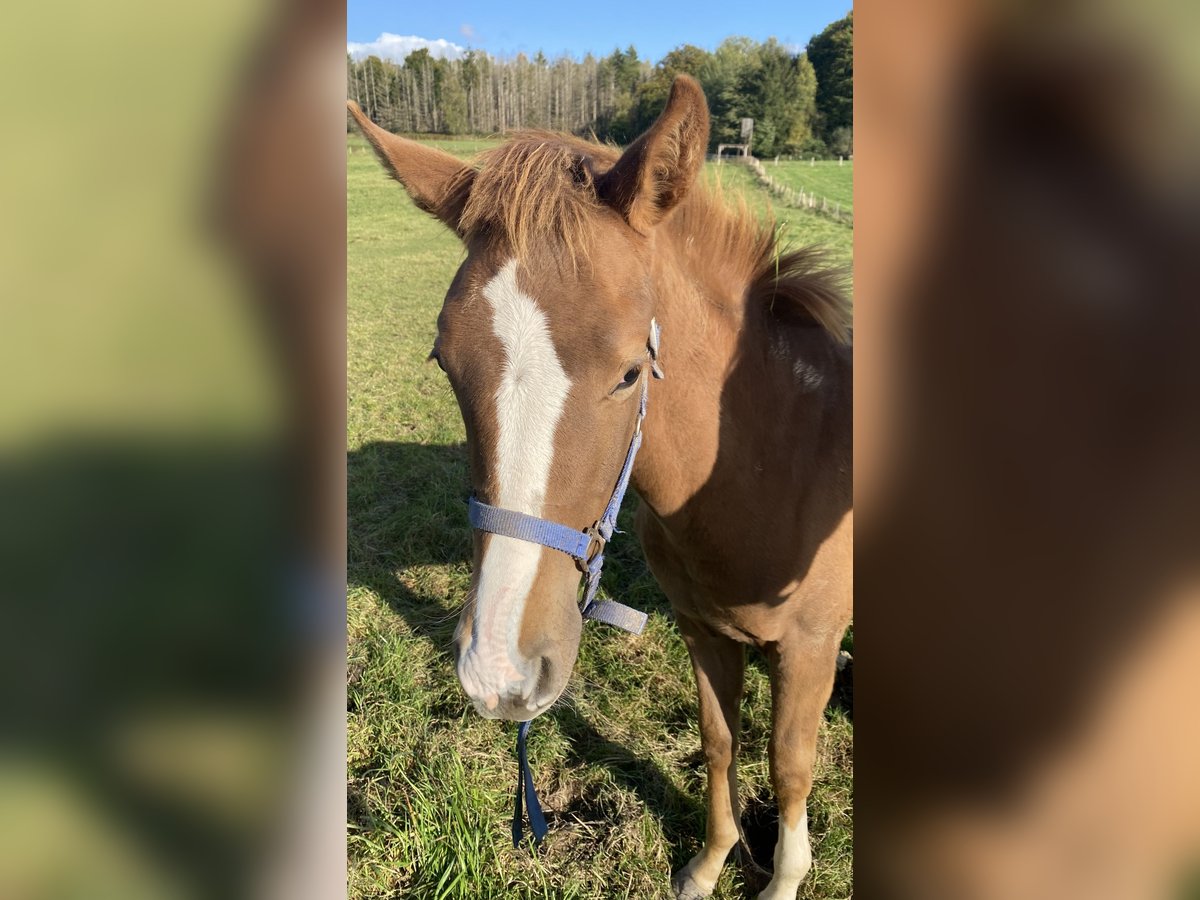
{"x":801,"y":102}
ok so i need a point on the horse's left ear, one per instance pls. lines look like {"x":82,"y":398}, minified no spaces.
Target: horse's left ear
{"x":655,"y":171}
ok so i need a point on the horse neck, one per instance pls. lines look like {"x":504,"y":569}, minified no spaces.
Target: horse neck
{"x":729,"y":392}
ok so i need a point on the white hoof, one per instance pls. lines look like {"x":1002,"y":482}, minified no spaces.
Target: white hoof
{"x":780,"y":891}
{"x":692,"y":881}
{"x":684,"y":888}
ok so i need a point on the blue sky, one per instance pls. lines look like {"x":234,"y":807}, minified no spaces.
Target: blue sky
{"x":504,"y":29}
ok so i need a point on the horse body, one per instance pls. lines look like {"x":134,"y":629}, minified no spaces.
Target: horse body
{"x":746,"y":523}
{"x":744,"y":476}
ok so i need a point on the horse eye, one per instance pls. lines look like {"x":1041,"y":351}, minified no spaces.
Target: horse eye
{"x":630,"y":377}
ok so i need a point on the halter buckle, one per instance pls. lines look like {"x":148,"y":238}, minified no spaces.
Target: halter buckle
{"x":595,"y":547}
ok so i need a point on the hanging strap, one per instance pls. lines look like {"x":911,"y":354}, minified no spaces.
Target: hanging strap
{"x":537,"y":821}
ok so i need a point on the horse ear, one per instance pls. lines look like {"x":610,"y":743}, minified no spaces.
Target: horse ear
{"x":655,"y":171}
{"x":438,"y":182}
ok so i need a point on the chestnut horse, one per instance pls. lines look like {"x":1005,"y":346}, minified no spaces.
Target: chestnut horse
{"x":573,"y":249}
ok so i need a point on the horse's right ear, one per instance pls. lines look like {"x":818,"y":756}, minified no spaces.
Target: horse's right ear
{"x":438,"y":182}
{"x":655,"y":171}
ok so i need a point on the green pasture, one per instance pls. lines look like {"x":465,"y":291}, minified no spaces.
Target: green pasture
{"x":825,"y":178}
{"x":618,"y":763}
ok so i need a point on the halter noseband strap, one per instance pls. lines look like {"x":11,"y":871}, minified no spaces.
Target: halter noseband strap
{"x":587,"y":549}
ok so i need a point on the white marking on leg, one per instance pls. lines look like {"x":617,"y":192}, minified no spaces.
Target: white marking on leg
{"x":529,"y":402}
{"x":793,"y":859}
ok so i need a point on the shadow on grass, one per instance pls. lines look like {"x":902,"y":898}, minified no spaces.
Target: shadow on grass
{"x":680,"y":815}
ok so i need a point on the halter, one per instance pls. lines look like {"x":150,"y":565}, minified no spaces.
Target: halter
{"x":587,"y":549}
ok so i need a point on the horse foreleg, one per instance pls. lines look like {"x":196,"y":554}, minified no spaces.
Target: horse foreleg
{"x":802,"y":674}
{"x":719,"y":663}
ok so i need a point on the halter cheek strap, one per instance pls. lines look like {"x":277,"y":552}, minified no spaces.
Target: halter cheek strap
{"x":587,"y":549}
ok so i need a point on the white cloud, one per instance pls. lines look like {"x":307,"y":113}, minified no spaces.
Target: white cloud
{"x":397,"y":46}
{"x":467,"y":30}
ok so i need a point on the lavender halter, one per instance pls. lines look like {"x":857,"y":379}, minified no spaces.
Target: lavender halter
{"x":587,"y":549}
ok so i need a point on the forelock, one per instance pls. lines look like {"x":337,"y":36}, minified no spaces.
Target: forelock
{"x":539,"y":189}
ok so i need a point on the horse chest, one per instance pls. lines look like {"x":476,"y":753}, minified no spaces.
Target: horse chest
{"x":748,"y":596}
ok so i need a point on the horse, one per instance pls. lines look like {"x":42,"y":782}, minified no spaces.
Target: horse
{"x":576,"y":255}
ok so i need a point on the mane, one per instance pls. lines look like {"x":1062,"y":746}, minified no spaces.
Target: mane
{"x":540,"y":187}
{"x":804,"y":283}
{"x":801,"y":284}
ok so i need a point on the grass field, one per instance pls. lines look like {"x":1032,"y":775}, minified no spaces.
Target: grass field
{"x":824,"y":178}
{"x":619,"y":765}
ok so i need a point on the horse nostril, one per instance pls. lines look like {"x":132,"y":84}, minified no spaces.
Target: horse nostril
{"x":541,"y":685}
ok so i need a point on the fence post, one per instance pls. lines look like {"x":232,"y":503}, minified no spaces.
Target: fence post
{"x":839,"y":159}
{"x":812,"y":161}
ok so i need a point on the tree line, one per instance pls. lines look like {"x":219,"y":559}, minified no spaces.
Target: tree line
{"x":801,"y":103}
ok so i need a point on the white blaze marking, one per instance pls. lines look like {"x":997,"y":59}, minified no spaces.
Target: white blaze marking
{"x":793,"y":859}
{"x":529,"y":402}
